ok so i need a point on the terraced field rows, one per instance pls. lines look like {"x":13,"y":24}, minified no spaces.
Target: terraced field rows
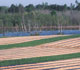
{"x":71,"y":64}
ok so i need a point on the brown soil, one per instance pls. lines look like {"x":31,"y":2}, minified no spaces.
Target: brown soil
{"x":55,"y":48}
{"x":69,"y":43}
{"x":12,"y":40}
{"x":71,"y":64}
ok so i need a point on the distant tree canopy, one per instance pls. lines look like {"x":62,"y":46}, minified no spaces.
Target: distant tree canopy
{"x":77,"y":7}
{"x":16,"y":8}
{"x":43,"y":14}
{"x":13,"y":9}
{"x":30,"y":7}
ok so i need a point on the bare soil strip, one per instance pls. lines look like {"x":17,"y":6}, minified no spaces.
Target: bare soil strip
{"x":13,"y":40}
{"x":54,"y":65}
{"x":69,"y":43}
{"x":56,"y":48}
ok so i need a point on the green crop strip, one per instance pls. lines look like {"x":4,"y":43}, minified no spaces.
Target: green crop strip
{"x":37,"y":42}
{"x":38,"y":59}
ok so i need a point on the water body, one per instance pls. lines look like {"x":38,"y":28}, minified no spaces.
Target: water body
{"x":65,"y":32}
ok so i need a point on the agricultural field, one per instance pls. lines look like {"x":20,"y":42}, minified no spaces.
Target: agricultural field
{"x":13,"y":40}
{"x":40,"y":35}
{"x":56,"y":52}
{"x":70,"y":64}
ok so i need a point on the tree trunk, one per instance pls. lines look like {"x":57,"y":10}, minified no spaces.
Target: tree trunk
{"x":3,"y":29}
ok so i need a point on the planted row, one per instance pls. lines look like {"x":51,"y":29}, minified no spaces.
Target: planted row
{"x":37,"y":42}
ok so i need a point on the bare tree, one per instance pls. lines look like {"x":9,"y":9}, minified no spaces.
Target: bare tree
{"x":21,"y":12}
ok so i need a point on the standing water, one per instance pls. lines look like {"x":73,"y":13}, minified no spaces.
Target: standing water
{"x":55,"y":32}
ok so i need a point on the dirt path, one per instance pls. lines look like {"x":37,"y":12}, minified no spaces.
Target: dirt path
{"x":55,"y":48}
{"x":12,"y":40}
{"x":71,"y":64}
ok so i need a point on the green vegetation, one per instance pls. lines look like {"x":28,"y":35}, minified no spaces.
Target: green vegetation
{"x":37,"y":42}
{"x":18,"y":18}
{"x":39,"y":59}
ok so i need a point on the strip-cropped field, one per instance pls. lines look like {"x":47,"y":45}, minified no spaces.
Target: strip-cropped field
{"x":14,"y":40}
{"x":38,"y":59}
{"x":45,"y":50}
{"x":30,"y":52}
{"x":55,"y":48}
{"x":68,"y":43}
{"x":37,"y":42}
{"x":71,"y":64}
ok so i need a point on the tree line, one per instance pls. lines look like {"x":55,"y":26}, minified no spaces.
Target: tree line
{"x":16,"y":8}
{"x":32,"y":17}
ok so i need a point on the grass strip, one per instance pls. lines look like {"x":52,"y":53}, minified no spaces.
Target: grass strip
{"x":38,"y":59}
{"x":37,"y":42}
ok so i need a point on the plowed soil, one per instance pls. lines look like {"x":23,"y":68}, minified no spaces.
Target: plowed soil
{"x":13,"y":40}
{"x":71,"y":64}
{"x":49,"y":49}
